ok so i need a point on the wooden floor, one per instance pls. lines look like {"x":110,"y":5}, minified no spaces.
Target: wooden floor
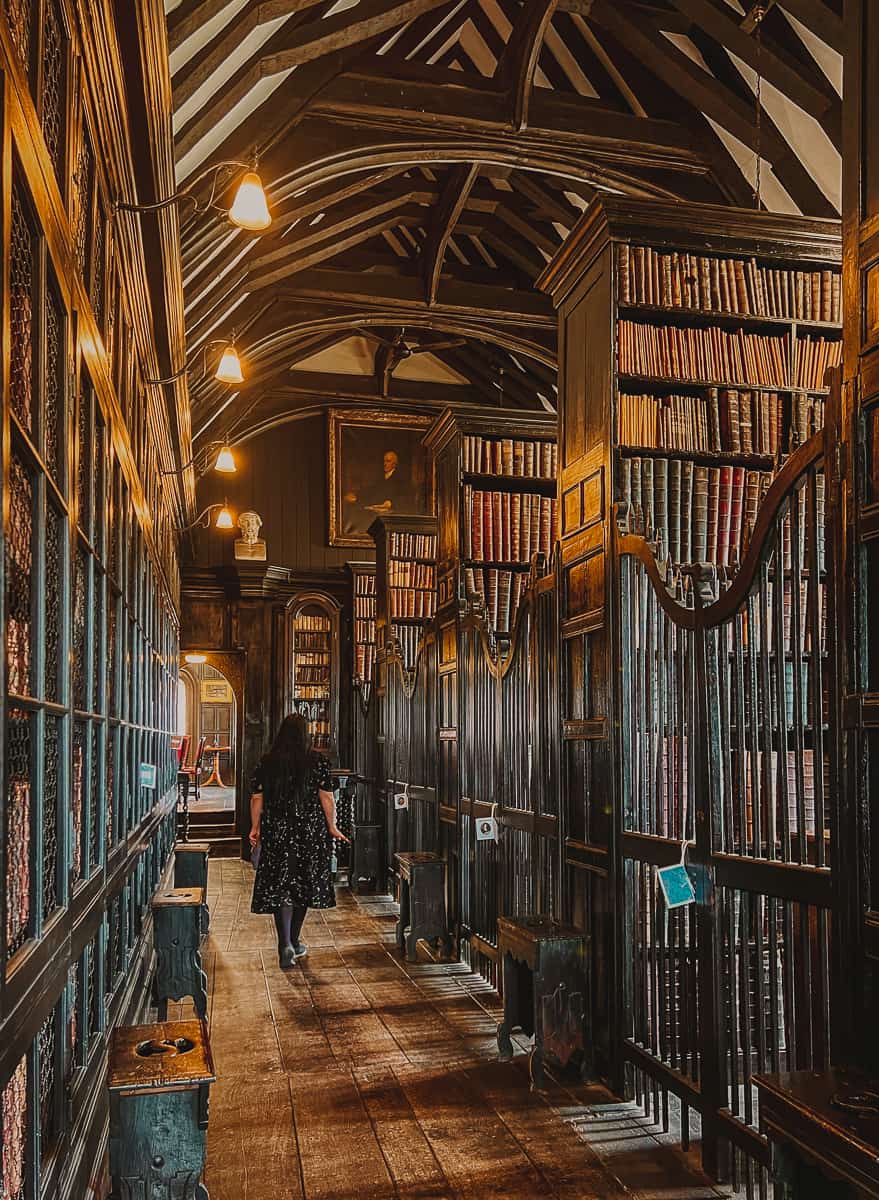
{"x":358,"y":1076}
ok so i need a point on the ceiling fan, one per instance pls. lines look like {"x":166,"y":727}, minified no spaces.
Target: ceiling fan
{"x":396,"y":349}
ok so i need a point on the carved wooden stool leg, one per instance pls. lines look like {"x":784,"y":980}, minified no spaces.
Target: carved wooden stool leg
{"x":177,"y":937}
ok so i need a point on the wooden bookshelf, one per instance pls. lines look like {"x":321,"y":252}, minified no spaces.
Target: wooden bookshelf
{"x":405,"y":583}
{"x":496,"y":498}
{"x":314,"y":642}
{"x":363,"y":616}
{"x":703,"y":345}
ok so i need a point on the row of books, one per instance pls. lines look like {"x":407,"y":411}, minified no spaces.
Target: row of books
{"x":364,"y":607}
{"x":408,"y":639}
{"x":740,"y":422}
{"x":305,"y":624}
{"x":364,"y":660}
{"x":510,"y":456}
{"x":812,"y":358}
{"x":313,"y":692}
{"x":788,"y":777}
{"x":733,"y":285}
{"x":412,"y":545}
{"x":411,"y":602}
{"x":364,"y":631}
{"x":806,"y":418}
{"x":696,"y":513}
{"x":410,"y":574}
{"x":669,"y":352}
{"x":501,"y":593}
{"x":311,"y":659}
{"x":312,"y":675}
{"x":364,"y":585}
{"x":507,"y":526}
{"x":312,"y":641}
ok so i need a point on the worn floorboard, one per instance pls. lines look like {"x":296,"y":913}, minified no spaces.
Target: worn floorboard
{"x":357,"y":1076}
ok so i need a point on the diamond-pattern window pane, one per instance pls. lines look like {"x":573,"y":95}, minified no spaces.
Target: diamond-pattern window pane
{"x":54,"y":62}
{"x":51,"y":762}
{"x":80,"y":601}
{"x":77,"y":786}
{"x":21,"y":311}
{"x":47,"y":1049}
{"x":54,"y":411}
{"x":13,"y":1120}
{"x":19,"y":571}
{"x":18,"y":829}
{"x":54,"y":592}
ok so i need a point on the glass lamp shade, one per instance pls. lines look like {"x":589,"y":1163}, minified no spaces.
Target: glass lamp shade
{"x":224,"y":519}
{"x":249,"y":208}
{"x":229,"y":370}
{"x":225,"y":462}
{"x":195,"y":659}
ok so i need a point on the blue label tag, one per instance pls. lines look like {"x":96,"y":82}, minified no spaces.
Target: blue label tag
{"x":677,"y":887}
{"x":147,"y":775}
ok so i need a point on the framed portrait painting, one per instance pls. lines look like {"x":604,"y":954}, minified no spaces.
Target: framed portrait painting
{"x":378,"y":467}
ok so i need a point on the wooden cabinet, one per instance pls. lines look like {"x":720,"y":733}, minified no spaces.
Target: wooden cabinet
{"x":313,"y":639}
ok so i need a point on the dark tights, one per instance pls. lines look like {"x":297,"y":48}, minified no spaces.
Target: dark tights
{"x":288,"y":922}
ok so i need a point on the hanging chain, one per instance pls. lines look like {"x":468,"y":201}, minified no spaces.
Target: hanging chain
{"x":759,"y":13}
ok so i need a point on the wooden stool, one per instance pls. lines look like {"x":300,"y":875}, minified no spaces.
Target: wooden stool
{"x":159,"y":1078}
{"x":823,"y":1131}
{"x":191,"y":870}
{"x":177,"y":936}
{"x":544,"y":983}
{"x":422,"y":900}
{"x":366,"y":856}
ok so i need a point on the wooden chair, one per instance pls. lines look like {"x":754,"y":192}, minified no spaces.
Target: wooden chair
{"x":193,"y":770}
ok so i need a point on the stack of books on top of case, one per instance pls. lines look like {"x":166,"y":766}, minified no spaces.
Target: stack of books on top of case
{"x":524,"y":457}
{"x":680,"y":279}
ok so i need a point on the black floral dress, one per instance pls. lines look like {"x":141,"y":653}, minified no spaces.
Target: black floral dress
{"x":294,"y":862}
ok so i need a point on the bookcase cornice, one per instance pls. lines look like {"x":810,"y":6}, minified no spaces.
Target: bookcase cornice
{"x":489,"y":422}
{"x":709,"y":229}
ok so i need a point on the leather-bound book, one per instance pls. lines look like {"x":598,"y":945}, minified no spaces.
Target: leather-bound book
{"x":647,"y":498}
{"x":467,"y":519}
{"x":713,"y":419}
{"x":674,"y":509}
{"x":625,"y":287}
{"x":713,"y":505}
{"x":516,"y":527}
{"x":686,"y":511}
{"x":535,"y":526}
{"x":735,"y":515}
{"x":487,"y":527}
{"x":660,"y":502}
{"x":723,"y":515}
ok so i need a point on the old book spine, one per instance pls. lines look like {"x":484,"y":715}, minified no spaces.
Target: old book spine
{"x":625,"y":281}
{"x":713,"y":506}
{"x":735,"y":515}
{"x":686,"y":512}
{"x":674,"y":509}
{"x":723,"y":515}
{"x":647,"y":498}
{"x":660,"y":503}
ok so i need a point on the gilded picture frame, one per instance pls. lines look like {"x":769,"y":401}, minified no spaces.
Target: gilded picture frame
{"x":377,"y":464}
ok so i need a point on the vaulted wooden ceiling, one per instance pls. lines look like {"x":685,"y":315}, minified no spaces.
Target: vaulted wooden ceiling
{"x":425,"y":159}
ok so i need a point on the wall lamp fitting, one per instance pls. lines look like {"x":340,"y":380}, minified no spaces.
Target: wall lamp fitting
{"x":203,"y":520}
{"x":249,"y":209}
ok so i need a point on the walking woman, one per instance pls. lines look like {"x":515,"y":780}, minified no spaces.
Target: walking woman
{"x":292,"y":813}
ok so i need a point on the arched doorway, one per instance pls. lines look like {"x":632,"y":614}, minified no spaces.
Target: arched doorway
{"x":209,"y":711}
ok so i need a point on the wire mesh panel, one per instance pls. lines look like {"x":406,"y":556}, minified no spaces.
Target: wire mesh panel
{"x":13,"y":1164}
{"x":53,"y":116}
{"x":95,"y":829}
{"x":49,"y":825}
{"x":22,"y":287}
{"x":19,"y":579}
{"x":75,"y":976}
{"x":85,"y":180}
{"x":54,"y":389}
{"x":110,"y":789}
{"x":84,"y":457}
{"x":80,"y":628}
{"x":47,"y":1062}
{"x":77,"y":785}
{"x":19,"y":15}
{"x":97,"y":291}
{"x":19,"y":821}
{"x":95,"y":999}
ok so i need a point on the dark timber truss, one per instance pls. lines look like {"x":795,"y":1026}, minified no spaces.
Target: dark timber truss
{"x":426,"y":159}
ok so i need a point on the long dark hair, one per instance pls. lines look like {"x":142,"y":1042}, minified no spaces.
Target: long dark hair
{"x":291,"y":751}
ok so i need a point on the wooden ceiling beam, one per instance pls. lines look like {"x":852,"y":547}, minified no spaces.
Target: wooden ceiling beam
{"x":549,"y":202}
{"x":823,"y":21}
{"x":343,"y":30}
{"x":715,"y":18}
{"x":712,"y":97}
{"x":518,"y":62}
{"x":459,"y":184}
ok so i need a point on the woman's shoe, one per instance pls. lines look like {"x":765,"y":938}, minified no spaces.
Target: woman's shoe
{"x":287,"y":957}
{"x":301,"y":949}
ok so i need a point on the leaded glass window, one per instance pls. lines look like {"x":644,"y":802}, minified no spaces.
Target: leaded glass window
{"x":97,"y":292}
{"x":54,"y":612}
{"x":85,"y":175}
{"x":19,"y":14}
{"x":80,"y":630}
{"x":54,"y":407}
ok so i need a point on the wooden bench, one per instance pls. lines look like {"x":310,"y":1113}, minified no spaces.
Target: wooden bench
{"x":422,"y":900}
